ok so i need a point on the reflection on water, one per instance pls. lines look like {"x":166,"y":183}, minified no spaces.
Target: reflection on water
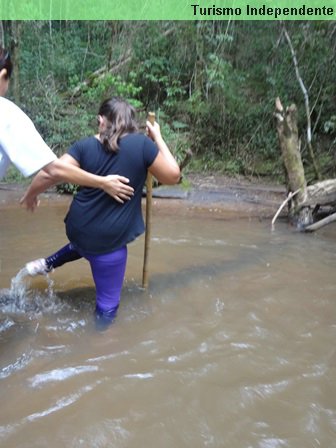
{"x":233,"y":345}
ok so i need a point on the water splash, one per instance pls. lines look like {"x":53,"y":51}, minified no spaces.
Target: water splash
{"x":18,"y":289}
{"x":6,"y":324}
{"x":14,"y":300}
{"x":21,"y":299}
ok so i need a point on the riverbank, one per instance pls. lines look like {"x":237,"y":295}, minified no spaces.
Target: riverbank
{"x":206,"y":194}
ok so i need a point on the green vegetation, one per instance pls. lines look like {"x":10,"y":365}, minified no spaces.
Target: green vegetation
{"x":212,"y":84}
{"x":13,"y":176}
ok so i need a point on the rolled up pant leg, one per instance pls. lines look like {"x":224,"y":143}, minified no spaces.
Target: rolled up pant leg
{"x":108,"y":272}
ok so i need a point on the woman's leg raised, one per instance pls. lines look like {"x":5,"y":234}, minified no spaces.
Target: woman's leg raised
{"x":64,"y":255}
{"x":44,"y":265}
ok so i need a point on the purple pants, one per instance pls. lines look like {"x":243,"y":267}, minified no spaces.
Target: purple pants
{"x":108,"y":273}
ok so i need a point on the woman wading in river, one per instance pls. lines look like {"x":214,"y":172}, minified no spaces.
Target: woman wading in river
{"x":97,"y":226}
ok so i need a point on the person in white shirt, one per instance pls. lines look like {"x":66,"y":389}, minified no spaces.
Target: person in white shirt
{"x":22,"y":145}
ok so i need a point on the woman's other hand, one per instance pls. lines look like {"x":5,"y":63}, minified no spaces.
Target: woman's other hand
{"x":153,"y":130}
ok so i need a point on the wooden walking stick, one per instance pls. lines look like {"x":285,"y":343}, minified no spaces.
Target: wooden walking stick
{"x":149,"y":188}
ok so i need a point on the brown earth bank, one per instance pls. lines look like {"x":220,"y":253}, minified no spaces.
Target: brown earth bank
{"x":210,"y":194}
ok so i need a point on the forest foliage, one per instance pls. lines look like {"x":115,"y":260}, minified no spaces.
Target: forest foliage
{"x":212,"y":84}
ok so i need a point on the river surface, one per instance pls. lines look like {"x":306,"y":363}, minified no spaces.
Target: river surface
{"x":233,"y":344}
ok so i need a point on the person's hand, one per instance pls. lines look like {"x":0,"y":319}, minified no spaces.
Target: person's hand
{"x":116,"y":186}
{"x":29,"y":203}
{"x":153,"y":130}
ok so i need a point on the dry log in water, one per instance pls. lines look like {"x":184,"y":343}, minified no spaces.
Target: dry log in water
{"x":306,"y":198}
{"x":321,"y":223}
{"x":321,"y":193}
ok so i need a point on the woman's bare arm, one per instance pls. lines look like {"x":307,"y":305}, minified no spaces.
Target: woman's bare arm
{"x":66,"y":169}
{"x":164,"y":167}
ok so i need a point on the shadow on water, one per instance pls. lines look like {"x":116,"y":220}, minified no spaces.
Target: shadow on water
{"x":247,"y":258}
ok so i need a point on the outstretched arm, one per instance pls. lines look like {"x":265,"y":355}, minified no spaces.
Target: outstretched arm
{"x":66,"y":169}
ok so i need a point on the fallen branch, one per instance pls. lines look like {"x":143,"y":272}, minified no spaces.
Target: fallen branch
{"x":321,"y":193}
{"x":101,"y":72}
{"x":289,"y":197}
{"x":323,"y":222}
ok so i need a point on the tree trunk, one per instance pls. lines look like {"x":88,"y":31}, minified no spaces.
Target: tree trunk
{"x":15,"y":33}
{"x":2,"y":35}
{"x":290,"y":148}
{"x":303,"y":199}
{"x":306,"y":102}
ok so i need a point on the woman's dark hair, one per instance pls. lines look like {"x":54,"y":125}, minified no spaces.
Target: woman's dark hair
{"x":5,"y":62}
{"x":120,"y":117}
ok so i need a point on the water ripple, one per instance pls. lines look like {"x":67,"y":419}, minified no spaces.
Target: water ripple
{"x":251,"y":393}
{"x":273,"y":443}
{"x":21,"y":362}
{"x":67,"y":325}
{"x":109,"y":356}
{"x":60,"y":375}
{"x":198,"y":241}
{"x":7,"y":430}
{"x":140,"y":376}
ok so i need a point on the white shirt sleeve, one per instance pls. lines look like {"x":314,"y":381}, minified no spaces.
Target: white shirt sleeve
{"x":4,"y":163}
{"x":20,"y":142}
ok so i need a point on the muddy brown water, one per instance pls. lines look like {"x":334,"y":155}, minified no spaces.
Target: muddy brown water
{"x":232,"y":345}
